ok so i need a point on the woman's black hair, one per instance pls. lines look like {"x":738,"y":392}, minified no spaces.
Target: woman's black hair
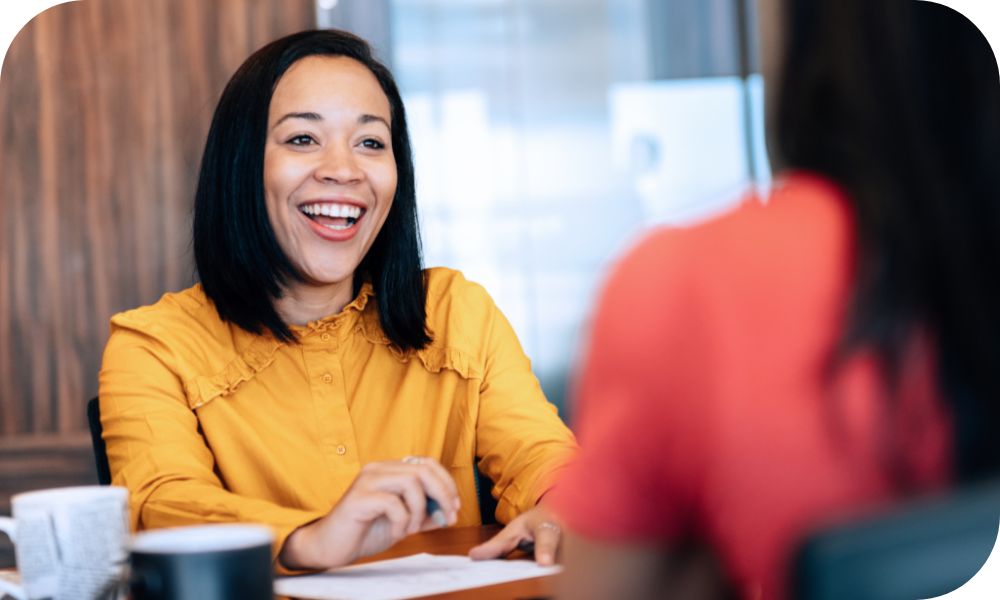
{"x":240,"y":263}
{"x":899,"y":102}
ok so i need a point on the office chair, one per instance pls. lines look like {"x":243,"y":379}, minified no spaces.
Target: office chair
{"x":923,"y":550}
{"x":487,"y":503}
{"x":100,"y":452}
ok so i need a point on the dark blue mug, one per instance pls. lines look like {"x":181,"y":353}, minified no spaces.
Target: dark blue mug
{"x":208,"y":562}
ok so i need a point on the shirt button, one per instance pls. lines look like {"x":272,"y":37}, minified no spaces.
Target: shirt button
{"x":325,"y":337}
{"x":327,"y":378}
{"x":341,"y":449}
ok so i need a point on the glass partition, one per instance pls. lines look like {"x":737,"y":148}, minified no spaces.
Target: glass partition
{"x":549,"y":134}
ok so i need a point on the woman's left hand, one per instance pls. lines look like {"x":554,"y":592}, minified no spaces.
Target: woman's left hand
{"x":538,"y":525}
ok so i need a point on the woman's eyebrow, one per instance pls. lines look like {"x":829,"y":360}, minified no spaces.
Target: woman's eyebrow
{"x":366,"y":118}
{"x":309,"y":116}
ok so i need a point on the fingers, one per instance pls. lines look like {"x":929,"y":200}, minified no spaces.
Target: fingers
{"x":433,"y":473}
{"x":536,"y":526}
{"x":416,"y":503}
{"x":360,"y":525}
{"x":415,"y":482}
{"x":547,"y":538}
{"x":442,"y":474}
{"x":386,"y":502}
{"x":502,"y":543}
{"x":443,"y":491}
{"x":407,"y":486}
{"x":392,"y":508}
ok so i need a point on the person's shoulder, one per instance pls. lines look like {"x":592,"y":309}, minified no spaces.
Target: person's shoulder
{"x":791,"y":248}
{"x":448,"y":290}
{"x":185,"y":304}
{"x":184,"y":333}
{"x":804,"y":218}
{"x":460,"y":312}
{"x":187,"y":314}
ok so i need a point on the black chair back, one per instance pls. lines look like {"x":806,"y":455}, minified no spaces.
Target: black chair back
{"x":100,"y":452}
{"x":487,"y":503}
{"x":924,"y":550}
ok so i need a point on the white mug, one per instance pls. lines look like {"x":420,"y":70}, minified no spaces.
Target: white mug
{"x":69,"y":543}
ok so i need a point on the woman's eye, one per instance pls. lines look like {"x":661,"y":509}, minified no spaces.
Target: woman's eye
{"x":301,"y":140}
{"x":372,"y":144}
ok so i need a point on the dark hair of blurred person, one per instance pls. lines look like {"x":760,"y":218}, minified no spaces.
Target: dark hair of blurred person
{"x":240,"y":263}
{"x":815,"y":356}
{"x":904,"y":114}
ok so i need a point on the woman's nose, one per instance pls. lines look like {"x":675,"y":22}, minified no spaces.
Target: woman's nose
{"x":339,"y":165}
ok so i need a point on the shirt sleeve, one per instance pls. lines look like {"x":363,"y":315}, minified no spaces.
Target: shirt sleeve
{"x":155,"y":448}
{"x":638,"y":400}
{"x":521,"y":442}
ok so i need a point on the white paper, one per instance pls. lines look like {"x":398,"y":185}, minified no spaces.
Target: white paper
{"x":408,"y":577}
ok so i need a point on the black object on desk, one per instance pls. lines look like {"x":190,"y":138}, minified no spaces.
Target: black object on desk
{"x":209,"y":562}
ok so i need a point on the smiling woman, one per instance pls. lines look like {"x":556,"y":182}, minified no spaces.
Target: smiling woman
{"x":332,"y":112}
{"x":329,"y":176}
{"x":318,"y":380}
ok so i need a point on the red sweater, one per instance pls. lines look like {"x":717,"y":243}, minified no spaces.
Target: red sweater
{"x":703,"y":407}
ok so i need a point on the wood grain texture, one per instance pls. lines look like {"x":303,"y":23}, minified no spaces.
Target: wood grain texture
{"x":104,"y":107}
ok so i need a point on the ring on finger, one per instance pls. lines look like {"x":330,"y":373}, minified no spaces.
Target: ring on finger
{"x":414,"y":460}
{"x":550,"y":525}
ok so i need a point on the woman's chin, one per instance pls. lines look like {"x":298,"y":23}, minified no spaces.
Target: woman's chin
{"x":327,"y":278}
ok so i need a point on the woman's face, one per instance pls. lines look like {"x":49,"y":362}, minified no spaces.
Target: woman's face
{"x":329,"y":170}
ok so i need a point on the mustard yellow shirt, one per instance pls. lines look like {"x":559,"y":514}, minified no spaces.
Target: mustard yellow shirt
{"x":208,"y":423}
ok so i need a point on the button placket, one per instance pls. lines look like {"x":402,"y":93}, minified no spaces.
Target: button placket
{"x":329,"y":393}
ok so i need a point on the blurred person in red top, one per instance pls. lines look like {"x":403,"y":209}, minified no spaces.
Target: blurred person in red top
{"x":816,"y":353}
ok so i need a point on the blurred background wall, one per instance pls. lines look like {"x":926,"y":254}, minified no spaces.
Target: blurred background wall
{"x":547,"y":134}
{"x":104,"y":107}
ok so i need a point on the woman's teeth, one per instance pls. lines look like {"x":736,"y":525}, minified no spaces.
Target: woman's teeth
{"x":332,"y":210}
{"x":337,"y":227}
{"x":333,"y":215}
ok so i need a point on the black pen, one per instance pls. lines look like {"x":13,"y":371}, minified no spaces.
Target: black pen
{"x":434,"y":511}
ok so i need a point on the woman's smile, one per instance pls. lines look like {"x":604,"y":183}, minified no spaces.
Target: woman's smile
{"x":329,"y":170}
{"x":334,"y":220}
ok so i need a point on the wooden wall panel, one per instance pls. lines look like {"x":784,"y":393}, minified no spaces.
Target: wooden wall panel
{"x":104,"y":106}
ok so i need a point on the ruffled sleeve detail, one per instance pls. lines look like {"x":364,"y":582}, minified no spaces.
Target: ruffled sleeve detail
{"x":370,"y":327}
{"x":348,"y":317}
{"x":434,"y":358}
{"x":202,"y":389}
{"x":260,"y":353}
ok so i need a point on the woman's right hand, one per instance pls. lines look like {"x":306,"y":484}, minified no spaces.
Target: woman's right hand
{"x":386,"y":502}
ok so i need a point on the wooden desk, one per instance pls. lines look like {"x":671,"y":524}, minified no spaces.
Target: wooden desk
{"x":458,"y":540}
